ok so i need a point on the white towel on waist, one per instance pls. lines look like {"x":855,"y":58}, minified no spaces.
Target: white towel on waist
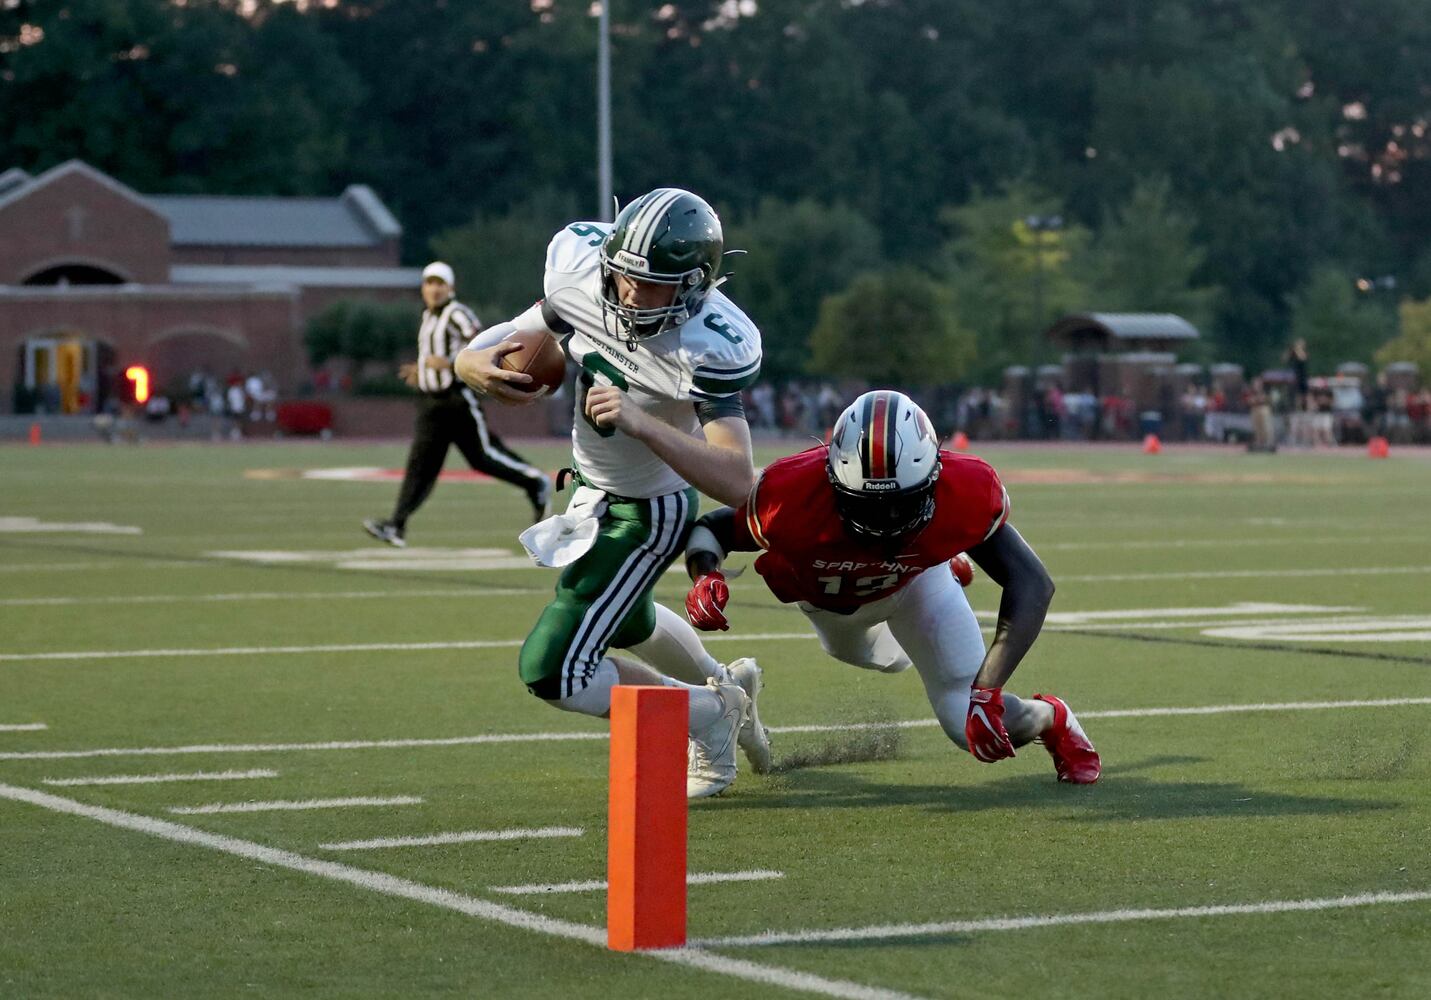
{"x":564,"y":538}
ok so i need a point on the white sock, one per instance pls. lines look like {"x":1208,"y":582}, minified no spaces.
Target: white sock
{"x":705,"y":705}
{"x":675,"y":649}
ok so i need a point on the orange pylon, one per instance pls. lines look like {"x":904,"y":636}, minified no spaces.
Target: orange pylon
{"x":1151,"y":445}
{"x":1378,"y":447}
{"x":35,"y":433}
{"x":961,"y":441}
{"x":646,"y":827}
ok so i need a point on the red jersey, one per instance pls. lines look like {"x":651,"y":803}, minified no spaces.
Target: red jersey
{"x":809,"y":556}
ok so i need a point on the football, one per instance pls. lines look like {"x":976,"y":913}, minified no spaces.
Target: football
{"x":539,"y":355}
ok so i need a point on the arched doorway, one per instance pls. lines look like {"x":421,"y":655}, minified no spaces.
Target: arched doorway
{"x":75,"y":273}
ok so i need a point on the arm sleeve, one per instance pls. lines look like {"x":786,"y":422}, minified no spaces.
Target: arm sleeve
{"x":724,"y":406}
{"x":533,"y":319}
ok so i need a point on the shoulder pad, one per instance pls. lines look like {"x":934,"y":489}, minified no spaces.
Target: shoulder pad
{"x":723,"y":346}
{"x":781,"y":490}
{"x":573,"y":252}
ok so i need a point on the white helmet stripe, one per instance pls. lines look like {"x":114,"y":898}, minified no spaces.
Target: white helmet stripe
{"x":648,"y":221}
{"x":640,"y":221}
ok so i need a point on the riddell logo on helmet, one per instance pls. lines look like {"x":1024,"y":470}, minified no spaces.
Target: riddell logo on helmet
{"x":879,"y":485}
{"x":628,"y":259}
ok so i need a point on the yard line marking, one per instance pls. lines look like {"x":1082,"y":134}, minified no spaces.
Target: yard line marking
{"x":578,"y":735}
{"x":115,"y":563}
{"x":394,"y":744}
{"x":351,"y":647}
{"x":154,"y":779}
{"x":884,"y":932}
{"x":275,"y":595}
{"x":293,"y":805}
{"x":463,"y":837}
{"x":1188,"y":543}
{"x":1139,"y":614}
{"x":392,"y":885}
{"x":1233,"y":574}
{"x":33,"y":525}
{"x":693,"y":878}
{"x":23,"y":727}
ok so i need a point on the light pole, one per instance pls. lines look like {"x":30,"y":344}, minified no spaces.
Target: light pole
{"x":603,"y":112}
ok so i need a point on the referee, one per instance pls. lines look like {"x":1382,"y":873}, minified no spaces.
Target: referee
{"x":448,"y":413}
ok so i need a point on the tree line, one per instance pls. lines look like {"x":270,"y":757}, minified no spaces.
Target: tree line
{"x":921,"y":183}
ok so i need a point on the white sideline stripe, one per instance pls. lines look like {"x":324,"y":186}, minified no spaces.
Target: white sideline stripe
{"x":23,"y":727}
{"x":154,"y":779}
{"x":391,"y":885}
{"x":549,"y":737}
{"x":463,"y":837}
{"x":693,"y":878}
{"x":880,"y":932}
{"x":1234,"y":574}
{"x":355,"y":647}
{"x":293,"y":805}
{"x":344,"y":595}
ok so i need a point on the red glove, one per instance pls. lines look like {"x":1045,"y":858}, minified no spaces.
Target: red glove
{"x":705,"y":603}
{"x":984,"y":729}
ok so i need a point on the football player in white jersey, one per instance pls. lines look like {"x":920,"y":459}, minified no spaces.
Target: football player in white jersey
{"x":663,"y":356}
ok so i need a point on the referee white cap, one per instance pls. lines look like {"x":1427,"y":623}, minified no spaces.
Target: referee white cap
{"x":443,"y":272}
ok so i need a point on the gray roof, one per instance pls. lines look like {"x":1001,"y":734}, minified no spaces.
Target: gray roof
{"x":283,"y":276}
{"x":1123,"y":326}
{"x":12,"y":178}
{"x":355,"y":219}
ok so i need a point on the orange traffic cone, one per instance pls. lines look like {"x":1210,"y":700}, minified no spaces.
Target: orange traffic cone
{"x":961,"y":441}
{"x":1378,"y":447}
{"x":35,"y":433}
{"x":1151,"y":445}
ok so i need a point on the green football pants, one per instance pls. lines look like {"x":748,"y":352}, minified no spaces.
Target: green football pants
{"x":604,"y":598}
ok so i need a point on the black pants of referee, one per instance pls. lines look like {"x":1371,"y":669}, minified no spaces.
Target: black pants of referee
{"x":455,"y":417}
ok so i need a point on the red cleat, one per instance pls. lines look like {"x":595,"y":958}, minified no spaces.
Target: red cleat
{"x":1074,"y":758}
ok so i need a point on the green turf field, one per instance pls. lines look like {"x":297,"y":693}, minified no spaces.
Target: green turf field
{"x":1282,"y":593}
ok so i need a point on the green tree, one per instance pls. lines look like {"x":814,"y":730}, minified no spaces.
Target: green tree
{"x":1010,"y":265}
{"x":798,"y":253}
{"x":1338,"y":323}
{"x":894,"y":327}
{"x":1146,"y":259}
{"x":498,"y":257}
{"x":1414,"y":342}
{"x":362,"y":331}
{"x":177,"y":98}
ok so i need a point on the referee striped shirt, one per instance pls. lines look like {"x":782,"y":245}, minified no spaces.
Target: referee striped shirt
{"x":444,"y":331}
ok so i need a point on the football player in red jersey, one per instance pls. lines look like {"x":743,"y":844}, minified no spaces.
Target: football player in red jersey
{"x":860,"y":534}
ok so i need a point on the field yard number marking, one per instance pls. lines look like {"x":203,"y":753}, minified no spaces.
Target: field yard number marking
{"x":1401,"y":628}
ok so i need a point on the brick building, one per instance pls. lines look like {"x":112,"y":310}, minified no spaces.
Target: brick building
{"x":95,"y":277}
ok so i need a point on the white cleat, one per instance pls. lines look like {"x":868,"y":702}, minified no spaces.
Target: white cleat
{"x":754,"y":738}
{"x":710,"y":756}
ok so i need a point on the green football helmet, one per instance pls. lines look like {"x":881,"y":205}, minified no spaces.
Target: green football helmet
{"x":667,"y":237}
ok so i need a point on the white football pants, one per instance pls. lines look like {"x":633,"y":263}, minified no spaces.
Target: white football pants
{"x":930,"y":624}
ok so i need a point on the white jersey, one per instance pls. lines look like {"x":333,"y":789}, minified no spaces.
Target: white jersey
{"x":714,"y":354}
